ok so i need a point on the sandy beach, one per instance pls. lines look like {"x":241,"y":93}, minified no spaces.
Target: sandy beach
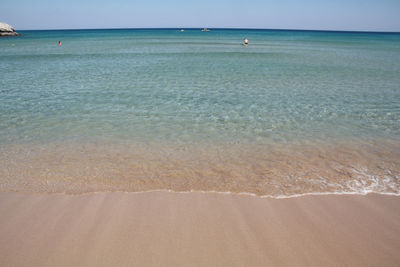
{"x":198,"y":229}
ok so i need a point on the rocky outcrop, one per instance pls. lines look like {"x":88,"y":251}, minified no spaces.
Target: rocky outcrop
{"x":7,"y":30}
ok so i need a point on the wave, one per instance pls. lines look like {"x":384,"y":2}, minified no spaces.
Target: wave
{"x":277,"y":171}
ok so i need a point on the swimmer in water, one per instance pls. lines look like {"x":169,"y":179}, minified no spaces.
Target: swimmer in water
{"x":59,"y":43}
{"x":245,"y":41}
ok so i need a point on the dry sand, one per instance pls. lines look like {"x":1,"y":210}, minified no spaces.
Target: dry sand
{"x":198,"y":229}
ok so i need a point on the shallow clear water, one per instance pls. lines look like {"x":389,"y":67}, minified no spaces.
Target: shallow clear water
{"x":193,"y":85}
{"x":167,"y":87}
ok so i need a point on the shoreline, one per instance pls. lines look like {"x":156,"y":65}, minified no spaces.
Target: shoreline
{"x":264,"y":170}
{"x":197,"y":229}
{"x":170,"y":191}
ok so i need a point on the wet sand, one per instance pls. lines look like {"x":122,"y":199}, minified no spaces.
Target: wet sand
{"x":273,"y":170}
{"x":198,"y":229}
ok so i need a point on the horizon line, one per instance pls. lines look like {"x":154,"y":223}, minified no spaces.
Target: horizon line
{"x":211,"y":28}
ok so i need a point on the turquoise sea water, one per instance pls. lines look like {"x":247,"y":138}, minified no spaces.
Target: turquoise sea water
{"x":166,"y":86}
{"x":192,"y":85}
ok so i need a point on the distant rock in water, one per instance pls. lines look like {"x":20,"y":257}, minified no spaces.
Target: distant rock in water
{"x":7,"y":30}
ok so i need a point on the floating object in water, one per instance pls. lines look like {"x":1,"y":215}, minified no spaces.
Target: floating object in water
{"x":205,"y":30}
{"x":182,"y":30}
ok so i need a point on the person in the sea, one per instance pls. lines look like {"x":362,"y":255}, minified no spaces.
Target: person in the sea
{"x":59,"y":43}
{"x":245,"y":41}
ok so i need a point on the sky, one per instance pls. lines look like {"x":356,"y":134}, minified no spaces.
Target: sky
{"x":347,"y":15}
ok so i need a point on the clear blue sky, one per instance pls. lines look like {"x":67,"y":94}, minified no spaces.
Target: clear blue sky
{"x":363,"y":15}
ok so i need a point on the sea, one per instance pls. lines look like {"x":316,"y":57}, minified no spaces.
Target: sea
{"x":136,"y":110}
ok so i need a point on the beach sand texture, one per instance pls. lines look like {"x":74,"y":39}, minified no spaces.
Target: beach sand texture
{"x":198,"y":229}
{"x":113,"y":145}
{"x":272,"y":170}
